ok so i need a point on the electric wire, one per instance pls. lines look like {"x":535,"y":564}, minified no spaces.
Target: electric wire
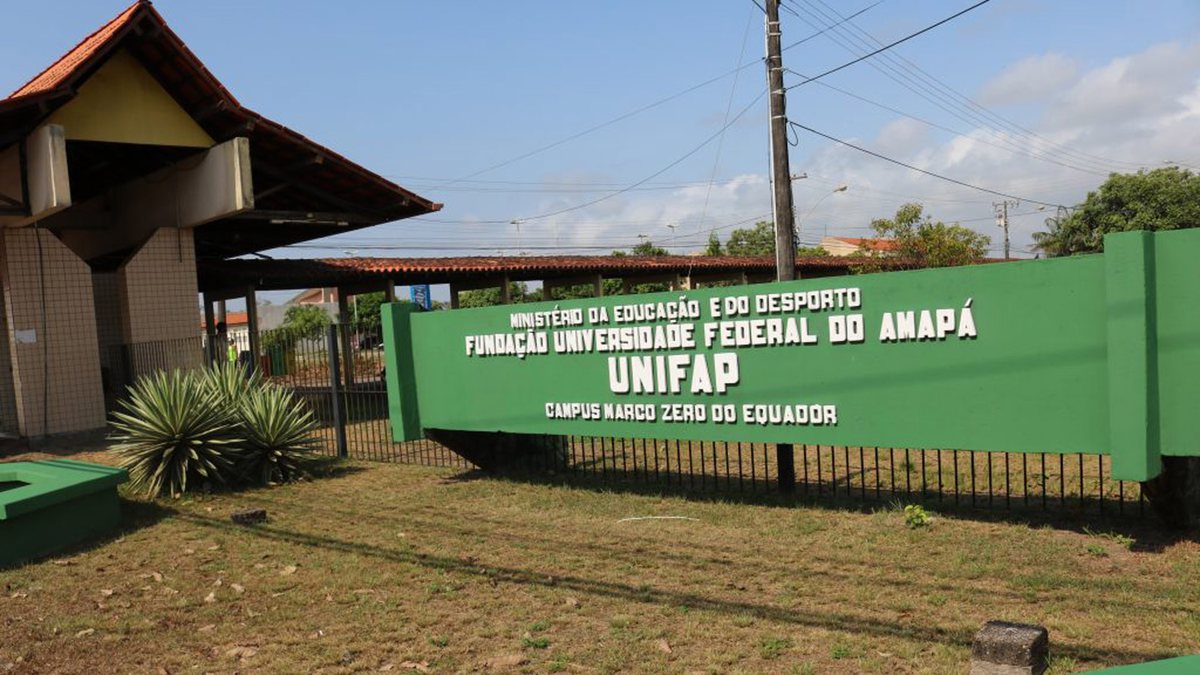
{"x":637,"y":111}
{"x":918,"y":169}
{"x":962,"y":134}
{"x":890,"y":45}
{"x":928,"y":89}
{"x":930,"y":84}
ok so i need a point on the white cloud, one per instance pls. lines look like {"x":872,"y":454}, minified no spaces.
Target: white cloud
{"x":1136,"y":110}
{"x":1030,"y":80}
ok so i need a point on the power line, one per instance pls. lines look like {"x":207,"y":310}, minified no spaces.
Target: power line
{"x":936,"y":87}
{"x":656,"y":174}
{"x":712,"y":176}
{"x":624,"y":116}
{"x":889,"y":46}
{"x":935,"y":125}
{"x":917,"y":169}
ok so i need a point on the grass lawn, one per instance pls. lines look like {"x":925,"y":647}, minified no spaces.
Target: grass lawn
{"x":412,"y":569}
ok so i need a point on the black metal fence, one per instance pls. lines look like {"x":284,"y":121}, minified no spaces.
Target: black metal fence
{"x":1079,"y":483}
{"x":339,"y":374}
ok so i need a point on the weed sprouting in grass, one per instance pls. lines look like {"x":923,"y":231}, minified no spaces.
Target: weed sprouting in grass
{"x":539,"y":626}
{"x":840,"y":650}
{"x":937,"y":600}
{"x":1124,"y":541}
{"x":743,"y":620}
{"x":540,"y":642}
{"x":558,"y":664}
{"x":1061,"y":665}
{"x":772,"y":647}
{"x":802,"y":669}
{"x":1097,"y":550}
{"x":916,"y":517}
{"x":439,"y":641}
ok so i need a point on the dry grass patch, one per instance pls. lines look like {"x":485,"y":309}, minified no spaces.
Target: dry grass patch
{"x":411,"y":569}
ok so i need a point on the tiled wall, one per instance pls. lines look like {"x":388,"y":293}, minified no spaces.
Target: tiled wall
{"x":8,"y":397}
{"x":158,"y":303}
{"x":158,"y":289}
{"x":51,"y":334}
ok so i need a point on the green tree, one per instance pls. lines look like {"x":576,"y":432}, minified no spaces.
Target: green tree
{"x":1162,"y":199}
{"x":647,"y":247}
{"x":714,"y":245}
{"x":811,"y":252}
{"x":490,"y":297}
{"x":305,"y":320}
{"x":365,"y":312}
{"x":927,"y":242}
{"x":757,"y":240}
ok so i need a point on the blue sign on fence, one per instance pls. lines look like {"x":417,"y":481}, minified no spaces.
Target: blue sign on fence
{"x":419,"y":294}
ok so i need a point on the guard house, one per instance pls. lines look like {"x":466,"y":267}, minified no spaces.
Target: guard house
{"x":121,"y":165}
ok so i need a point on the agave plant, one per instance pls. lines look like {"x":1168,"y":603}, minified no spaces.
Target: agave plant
{"x":173,"y":431}
{"x":277,"y":429}
{"x":230,"y":382}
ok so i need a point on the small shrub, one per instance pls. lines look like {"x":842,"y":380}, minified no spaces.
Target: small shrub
{"x":840,"y":650}
{"x":1097,"y":550}
{"x":277,"y":432}
{"x":222,"y":425}
{"x":172,"y":432}
{"x":916,"y":517}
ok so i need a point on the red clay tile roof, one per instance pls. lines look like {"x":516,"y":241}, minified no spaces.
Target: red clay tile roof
{"x":61,"y":69}
{"x":870,"y":244}
{"x":293,"y":172}
{"x":327,"y":272}
{"x":232,"y":319}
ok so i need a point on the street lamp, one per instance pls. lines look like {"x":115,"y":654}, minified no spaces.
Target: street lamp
{"x":800,"y":221}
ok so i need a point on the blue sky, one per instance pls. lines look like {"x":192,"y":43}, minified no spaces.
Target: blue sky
{"x":426,"y":92}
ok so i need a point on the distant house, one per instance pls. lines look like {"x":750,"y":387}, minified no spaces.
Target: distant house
{"x":315,"y":296}
{"x":844,"y":246}
{"x":237,"y":329}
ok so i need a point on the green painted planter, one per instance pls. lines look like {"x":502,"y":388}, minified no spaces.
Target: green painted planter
{"x":49,"y":505}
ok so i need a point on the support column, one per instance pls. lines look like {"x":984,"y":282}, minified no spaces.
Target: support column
{"x":222,"y":347}
{"x":599,"y":286}
{"x":505,"y":291}
{"x":345,"y":330}
{"x":252,"y":326}
{"x":210,"y":330}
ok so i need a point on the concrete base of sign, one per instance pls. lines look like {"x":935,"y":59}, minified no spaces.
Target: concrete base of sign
{"x":499,"y":451}
{"x":1175,"y":493}
{"x":1004,"y":648}
{"x":48,"y":505}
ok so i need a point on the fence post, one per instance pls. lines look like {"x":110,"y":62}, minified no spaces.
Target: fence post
{"x":335,"y":390}
{"x":785,"y":459}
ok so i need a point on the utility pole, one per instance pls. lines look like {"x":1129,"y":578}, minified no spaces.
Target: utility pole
{"x":785,"y":227}
{"x":1002,"y":219}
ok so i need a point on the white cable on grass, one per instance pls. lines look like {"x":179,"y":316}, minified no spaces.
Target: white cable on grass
{"x":627,"y":520}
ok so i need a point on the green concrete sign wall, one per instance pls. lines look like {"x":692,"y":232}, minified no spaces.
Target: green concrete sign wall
{"x":1097,"y":354}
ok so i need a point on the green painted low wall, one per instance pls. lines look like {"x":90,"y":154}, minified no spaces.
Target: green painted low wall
{"x":50,"y":505}
{"x":1094,"y":354}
